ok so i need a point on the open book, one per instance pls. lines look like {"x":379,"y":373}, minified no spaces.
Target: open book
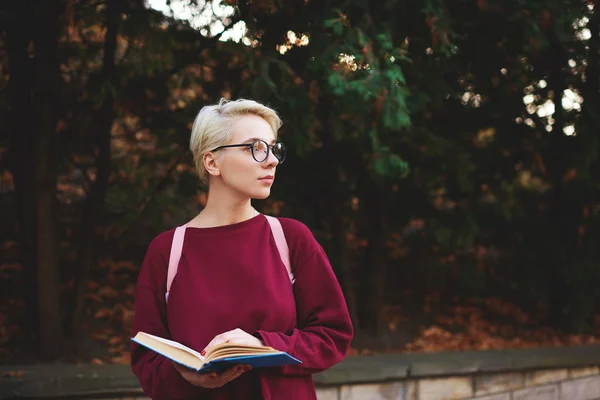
{"x":217,"y":358}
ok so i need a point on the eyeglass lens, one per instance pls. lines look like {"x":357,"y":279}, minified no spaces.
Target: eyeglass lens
{"x":260,"y":151}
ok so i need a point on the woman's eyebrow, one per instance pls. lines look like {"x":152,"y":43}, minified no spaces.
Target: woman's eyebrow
{"x":254,"y":139}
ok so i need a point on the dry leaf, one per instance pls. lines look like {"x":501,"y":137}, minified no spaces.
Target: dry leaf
{"x":103,"y":313}
{"x":14,"y":374}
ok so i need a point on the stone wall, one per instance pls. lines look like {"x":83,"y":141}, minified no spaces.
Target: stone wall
{"x":567,"y":373}
{"x":554,"y":384}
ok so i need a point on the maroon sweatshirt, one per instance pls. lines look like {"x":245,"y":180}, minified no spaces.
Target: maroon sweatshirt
{"x":232,"y":277}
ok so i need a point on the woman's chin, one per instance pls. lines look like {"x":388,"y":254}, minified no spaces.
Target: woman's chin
{"x":261,"y":194}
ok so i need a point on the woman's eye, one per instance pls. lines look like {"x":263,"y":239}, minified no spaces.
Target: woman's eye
{"x":260,"y":147}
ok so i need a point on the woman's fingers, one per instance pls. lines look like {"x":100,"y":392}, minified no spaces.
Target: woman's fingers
{"x":229,"y":375}
{"x":222,"y":338}
{"x":211,"y":380}
{"x":233,"y":373}
{"x":234,"y":336}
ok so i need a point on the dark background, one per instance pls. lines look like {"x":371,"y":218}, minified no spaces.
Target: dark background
{"x":444,"y":152}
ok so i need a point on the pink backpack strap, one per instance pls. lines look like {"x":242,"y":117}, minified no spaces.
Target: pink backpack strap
{"x":282,"y":246}
{"x":175,"y":256}
{"x":177,"y":247}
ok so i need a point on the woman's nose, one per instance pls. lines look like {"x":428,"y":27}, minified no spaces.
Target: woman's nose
{"x":271,"y":159}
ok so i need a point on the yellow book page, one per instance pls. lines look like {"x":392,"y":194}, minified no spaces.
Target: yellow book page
{"x":235,"y":350}
{"x":173,"y":350}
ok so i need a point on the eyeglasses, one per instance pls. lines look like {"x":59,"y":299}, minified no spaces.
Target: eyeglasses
{"x":260,"y":150}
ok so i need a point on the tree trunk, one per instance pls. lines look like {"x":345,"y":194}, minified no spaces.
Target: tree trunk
{"x":47,"y":80}
{"x":339,"y":196}
{"x":566,"y":208}
{"x":558,"y":291}
{"x":591,"y":89}
{"x":374,"y":264}
{"x":339,"y":252}
{"x":92,"y":210}
{"x":21,"y":134}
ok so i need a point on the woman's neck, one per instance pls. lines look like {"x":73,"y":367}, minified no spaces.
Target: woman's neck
{"x":223,"y":210}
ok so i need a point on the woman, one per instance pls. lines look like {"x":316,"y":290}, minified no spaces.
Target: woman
{"x":231,"y":284}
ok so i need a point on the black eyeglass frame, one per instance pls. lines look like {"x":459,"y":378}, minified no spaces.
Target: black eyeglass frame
{"x":251,"y":145}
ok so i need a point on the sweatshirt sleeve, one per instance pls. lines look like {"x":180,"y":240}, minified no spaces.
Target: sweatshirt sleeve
{"x":324,"y":330}
{"x":158,"y":377}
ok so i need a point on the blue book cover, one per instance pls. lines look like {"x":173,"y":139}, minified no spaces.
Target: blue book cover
{"x":217,"y":359}
{"x":255,"y":361}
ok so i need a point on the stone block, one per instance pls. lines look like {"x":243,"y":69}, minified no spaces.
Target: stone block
{"x":331,"y":393}
{"x":499,"y":396}
{"x":378,"y":391}
{"x":536,"y":378}
{"x":410,"y":388}
{"x":445,"y":388}
{"x":135,"y":398}
{"x":548,"y":392}
{"x":376,"y":368}
{"x":581,"y":372}
{"x":494,"y":383}
{"x":581,"y":389}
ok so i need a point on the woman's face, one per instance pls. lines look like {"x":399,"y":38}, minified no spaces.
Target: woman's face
{"x":238,"y":168}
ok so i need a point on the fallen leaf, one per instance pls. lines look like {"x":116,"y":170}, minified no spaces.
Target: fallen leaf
{"x":14,"y":374}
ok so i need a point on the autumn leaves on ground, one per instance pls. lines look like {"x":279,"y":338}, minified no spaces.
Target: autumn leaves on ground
{"x":444,"y":325}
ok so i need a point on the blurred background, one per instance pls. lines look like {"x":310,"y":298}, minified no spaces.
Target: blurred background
{"x":444,"y":153}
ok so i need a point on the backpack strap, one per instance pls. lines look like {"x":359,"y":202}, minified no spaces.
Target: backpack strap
{"x":282,"y":246}
{"x":177,"y":246}
{"x":175,"y":256}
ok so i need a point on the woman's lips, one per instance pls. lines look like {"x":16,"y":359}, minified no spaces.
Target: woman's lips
{"x":268,"y":179}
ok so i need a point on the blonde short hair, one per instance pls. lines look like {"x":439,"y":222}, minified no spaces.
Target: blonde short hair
{"x":213,"y":126}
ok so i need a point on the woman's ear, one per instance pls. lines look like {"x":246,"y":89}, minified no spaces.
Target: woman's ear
{"x":210,"y":163}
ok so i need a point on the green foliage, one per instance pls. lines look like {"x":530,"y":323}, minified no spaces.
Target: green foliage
{"x":389,"y":164}
{"x":396,"y":115}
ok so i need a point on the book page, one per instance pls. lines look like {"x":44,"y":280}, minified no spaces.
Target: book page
{"x":174,"y":344}
{"x":225,"y":350}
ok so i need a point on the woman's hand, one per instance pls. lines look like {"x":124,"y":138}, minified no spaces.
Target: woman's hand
{"x":237,"y":336}
{"x":211,"y":380}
